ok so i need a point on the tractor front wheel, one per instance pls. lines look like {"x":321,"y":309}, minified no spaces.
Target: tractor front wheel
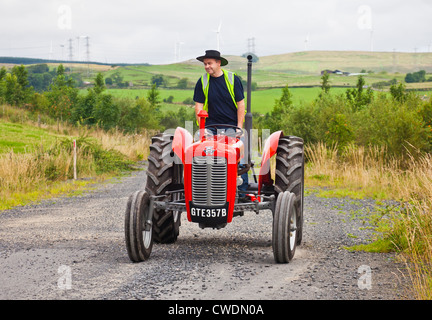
{"x":284,"y":239}
{"x":138,"y":227}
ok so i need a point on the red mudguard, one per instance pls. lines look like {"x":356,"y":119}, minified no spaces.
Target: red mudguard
{"x":270,"y":148}
{"x":182,"y":140}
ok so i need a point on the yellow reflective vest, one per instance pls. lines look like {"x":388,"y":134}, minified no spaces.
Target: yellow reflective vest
{"x":229,"y":80}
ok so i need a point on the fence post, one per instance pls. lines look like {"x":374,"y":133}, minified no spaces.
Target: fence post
{"x":75,"y":159}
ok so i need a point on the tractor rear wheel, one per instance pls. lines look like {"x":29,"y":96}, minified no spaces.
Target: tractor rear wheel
{"x":163,"y":174}
{"x":285,"y":223}
{"x":138,"y":230}
{"x":289,"y":174}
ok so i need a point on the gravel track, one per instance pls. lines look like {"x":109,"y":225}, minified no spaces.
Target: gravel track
{"x":73,"y":248}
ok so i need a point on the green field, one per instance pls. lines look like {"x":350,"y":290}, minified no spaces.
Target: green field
{"x":22,"y":138}
{"x":262,"y":100}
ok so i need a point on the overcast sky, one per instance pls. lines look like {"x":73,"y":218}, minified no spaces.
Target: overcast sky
{"x":164,"y":31}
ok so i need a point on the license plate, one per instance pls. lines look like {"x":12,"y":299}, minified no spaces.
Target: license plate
{"x":209,"y":215}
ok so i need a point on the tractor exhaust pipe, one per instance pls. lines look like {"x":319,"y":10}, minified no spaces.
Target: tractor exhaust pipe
{"x":248,"y":117}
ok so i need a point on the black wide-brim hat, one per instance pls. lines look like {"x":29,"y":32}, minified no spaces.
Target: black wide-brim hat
{"x":213,"y":54}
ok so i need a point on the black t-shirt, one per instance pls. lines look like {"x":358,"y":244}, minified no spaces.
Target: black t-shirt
{"x":221,"y":107}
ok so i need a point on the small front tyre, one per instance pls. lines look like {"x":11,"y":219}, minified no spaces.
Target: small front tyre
{"x":138,"y":227}
{"x":284,"y":238}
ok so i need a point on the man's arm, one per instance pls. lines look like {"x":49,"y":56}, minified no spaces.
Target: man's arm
{"x":198,"y":108}
{"x":240,"y":113}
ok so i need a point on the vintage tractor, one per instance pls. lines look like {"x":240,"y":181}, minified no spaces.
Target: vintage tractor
{"x":201,"y":178}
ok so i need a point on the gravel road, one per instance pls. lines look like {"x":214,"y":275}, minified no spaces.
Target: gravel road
{"x":73,"y":248}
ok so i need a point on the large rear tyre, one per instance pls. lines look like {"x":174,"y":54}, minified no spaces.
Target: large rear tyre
{"x":138,"y":228}
{"x":290,"y":174}
{"x":164,"y":174}
{"x":284,"y":237}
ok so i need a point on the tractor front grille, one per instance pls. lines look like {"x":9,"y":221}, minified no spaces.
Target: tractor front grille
{"x":209,"y":181}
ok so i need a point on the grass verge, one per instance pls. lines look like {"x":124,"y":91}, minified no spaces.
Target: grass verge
{"x":368,"y":173}
{"x":39,"y":162}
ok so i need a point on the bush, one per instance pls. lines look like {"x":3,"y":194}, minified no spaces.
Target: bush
{"x":159,"y":80}
{"x":397,"y":126}
{"x":340,"y":132}
{"x":401,"y":124}
{"x":302,"y":122}
{"x":106,"y":112}
{"x":189,"y":101}
{"x":182,"y":83}
{"x":419,"y":76}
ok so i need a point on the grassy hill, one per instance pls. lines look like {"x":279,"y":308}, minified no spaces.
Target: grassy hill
{"x":312,"y":62}
{"x":294,"y":69}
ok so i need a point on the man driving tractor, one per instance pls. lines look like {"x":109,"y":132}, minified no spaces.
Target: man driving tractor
{"x":200,"y":177}
{"x":221,"y":94}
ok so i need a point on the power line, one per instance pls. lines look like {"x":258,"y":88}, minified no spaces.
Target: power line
{"x":88,"y":54}
{"x":70,"y":50}
{"x":87,"y":48}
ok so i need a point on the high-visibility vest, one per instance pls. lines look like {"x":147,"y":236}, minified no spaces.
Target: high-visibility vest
{"x":229,"y":79}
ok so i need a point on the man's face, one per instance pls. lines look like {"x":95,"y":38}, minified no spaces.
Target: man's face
{"x":212,"y":66}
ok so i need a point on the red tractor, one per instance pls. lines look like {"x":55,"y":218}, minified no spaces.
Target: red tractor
{"x":201,"y":179}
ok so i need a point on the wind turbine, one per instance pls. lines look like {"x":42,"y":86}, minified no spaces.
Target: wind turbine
{"x":306,"y":43}
{"x":218,"y":35}
{"x":177,"y":47}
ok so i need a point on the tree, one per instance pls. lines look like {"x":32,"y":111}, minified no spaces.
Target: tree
{"x":409,"y":78}
{"x":62,"y":96}
{"x":339,"y":131}
{"x":358,"y":97}
{"x":398,"y":92}
{"x":118,"y":79}
{"x":38,"y":68}
{"x":284,"y":103}
{"x":83,"y":111}
{"x":11,"y":88}
{"x":182,"y":83}
{"x":2,"y":82}
{"x":281,"y":110}
{"x":99,"y":85}
{"x":19,"y":84}
{"x":106,"y":112}
{"x":419,"y":76}
{"x":153,"y":97}
{"x":158,"y":80}
{"x":325,"y":84}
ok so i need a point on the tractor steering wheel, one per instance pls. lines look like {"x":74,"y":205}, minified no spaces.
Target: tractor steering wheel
{"x":237,"y":132}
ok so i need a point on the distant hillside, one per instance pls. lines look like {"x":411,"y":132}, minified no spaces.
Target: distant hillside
{"x":350,"y":61}
{"x":313,"y":62}
{"x":298,"y":69}
{"x":304,"y":68}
